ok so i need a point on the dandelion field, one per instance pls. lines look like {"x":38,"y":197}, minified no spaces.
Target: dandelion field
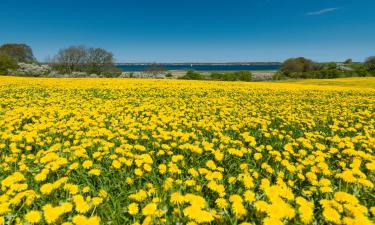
{"x":129,"y":151}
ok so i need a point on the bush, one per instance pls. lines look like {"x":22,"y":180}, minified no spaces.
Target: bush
{"x":279,"y":76}
{"x":110,"y":72}
{"x":232,"y":76}
{"x":7,"y":63}
{"x":370,"y":64}
{"x":192,"y":75}
{"x":325,"y":71}
{"x":244,"y":75}
{"x":31,"y":69}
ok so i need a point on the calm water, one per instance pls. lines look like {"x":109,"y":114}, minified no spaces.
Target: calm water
{"x":203,"y":67}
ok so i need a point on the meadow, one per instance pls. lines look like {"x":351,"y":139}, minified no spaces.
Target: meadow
{"x":133,"y":151}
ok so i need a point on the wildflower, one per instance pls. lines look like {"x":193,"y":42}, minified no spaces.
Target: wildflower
{"x":177,"y":198}
{"x":33,"y":216}
{"x":150,"y":209}
{"x":46,"y":188}
{"x":133,"y":208}
{"x":87,"y":164}
{"x":95,"y":172}
{"x":221,"y":203}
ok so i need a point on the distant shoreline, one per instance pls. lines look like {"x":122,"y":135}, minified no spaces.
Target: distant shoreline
{"x":203,"y":67}
{"x":206,"y":63}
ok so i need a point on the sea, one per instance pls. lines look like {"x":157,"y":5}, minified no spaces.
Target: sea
{"x":203,"y":67}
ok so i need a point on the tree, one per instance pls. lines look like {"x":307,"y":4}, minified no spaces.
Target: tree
{"x":83,"y":59}
{"x":99,"y":61}
{"x":70,"y":59}
{"x":19,"y":52}
{"x":297,"y":65}
{"x":348,"y":61}
{"x":7,"y":63}
{"x":370,"y":64}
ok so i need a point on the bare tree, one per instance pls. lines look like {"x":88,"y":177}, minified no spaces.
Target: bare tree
{"x":99,"y":60}
{"x":81,"y":58}
{"x":71,"y":59}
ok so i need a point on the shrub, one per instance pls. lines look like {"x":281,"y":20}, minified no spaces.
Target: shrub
{"x":370,"y":64}
{"x":192,"y":75}
{"x":232,"y":76}
{"x":7,"y":63}
{"x":31,"y":69}
{"x":110,"y":72}
{"x":279,"y":76}
{"x":244,"y":75}
{"x":326,"y":71}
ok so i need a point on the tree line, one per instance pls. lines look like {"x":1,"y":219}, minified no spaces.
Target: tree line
{"x":98,"y":61}
{"x":84,"y":59}
{"x":302,"y":68}
{"x":67,"y":61}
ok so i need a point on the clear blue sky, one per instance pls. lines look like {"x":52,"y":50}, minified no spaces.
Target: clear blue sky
{"x":195,"y":30}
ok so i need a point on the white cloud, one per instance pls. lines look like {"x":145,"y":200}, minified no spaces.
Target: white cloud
{"x":322,"y":11}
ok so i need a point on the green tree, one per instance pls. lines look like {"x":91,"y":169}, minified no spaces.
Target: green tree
{"x":7,"y":63}
{"x":348,"y":61}
{"x":370,"y":64}
{"x":19,"y":52}
{"x":297,"y":65}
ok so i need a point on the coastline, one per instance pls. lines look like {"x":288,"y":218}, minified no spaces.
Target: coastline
{"x":257,"y":74}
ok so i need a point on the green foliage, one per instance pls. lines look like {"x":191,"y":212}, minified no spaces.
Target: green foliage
{"x":301,"y":68}
{"x":279,"y":76}
{"x":19,"y":52}
{"x":169,"y":75}
{"x":348,"y":61}
{"x":232,"y":76}
{"x":7,"y":63}
{"x":192,"y":75}
{"x":297,"y":65}
{"x":370,"y":64}
{"x":109,"y":72}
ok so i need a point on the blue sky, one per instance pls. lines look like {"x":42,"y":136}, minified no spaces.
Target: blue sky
{"x":195,"y":30}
